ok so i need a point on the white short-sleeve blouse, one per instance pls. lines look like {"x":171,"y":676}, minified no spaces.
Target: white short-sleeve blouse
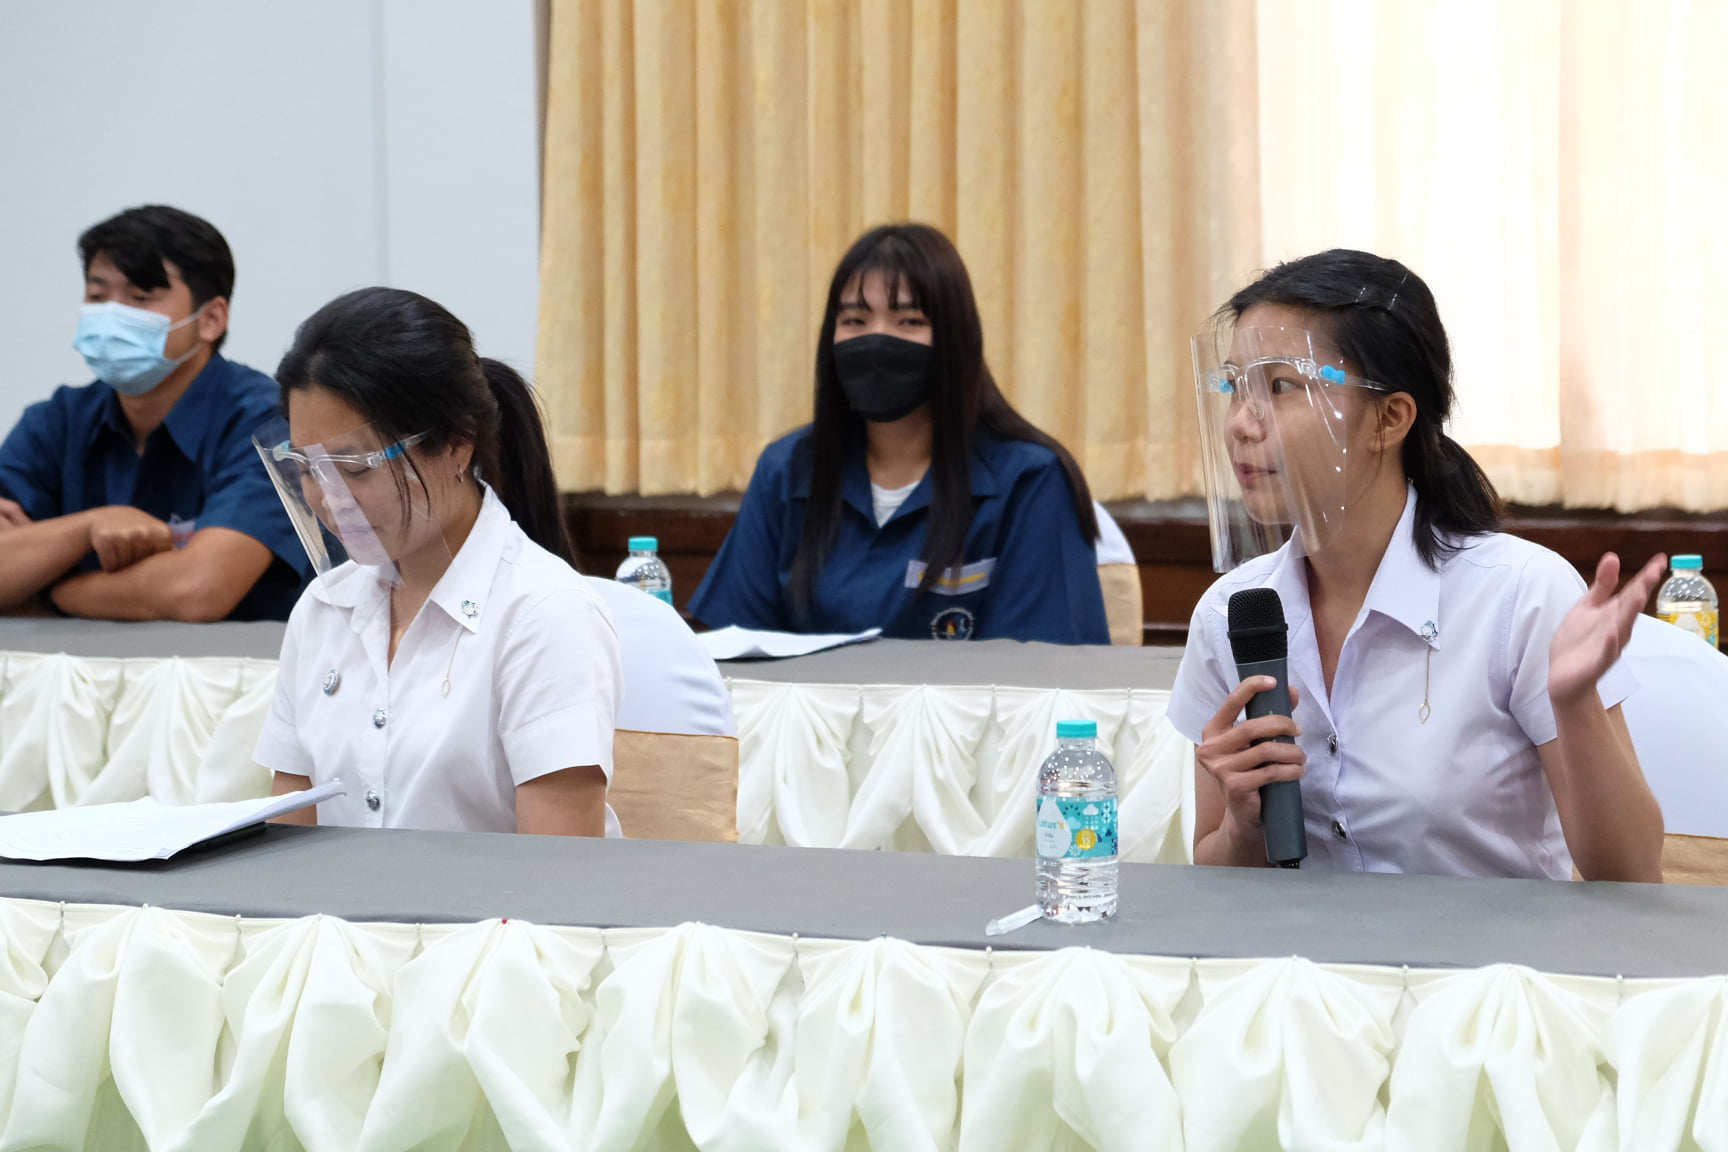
{"x":1460,"y":793}
{"x":533,"y":671}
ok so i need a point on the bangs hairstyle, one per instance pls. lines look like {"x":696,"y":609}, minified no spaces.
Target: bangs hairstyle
{"x":921,"y":267}
{"x":138,"y":240}
{"x":1383,"y":319}
{"x":409,"y":367}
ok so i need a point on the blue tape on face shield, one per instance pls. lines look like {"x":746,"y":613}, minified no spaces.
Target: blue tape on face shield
{"x":125,"y":346}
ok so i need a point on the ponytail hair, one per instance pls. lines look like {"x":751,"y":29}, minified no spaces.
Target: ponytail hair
{"x":409,"y":367}
{"x":522,"y":476}
{"x":1383,"y":319}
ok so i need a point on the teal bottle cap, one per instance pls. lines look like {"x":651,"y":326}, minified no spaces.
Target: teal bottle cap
{"x":644,"y":543}
{"x":1688,"y":563}
{"x":1076,"y":730}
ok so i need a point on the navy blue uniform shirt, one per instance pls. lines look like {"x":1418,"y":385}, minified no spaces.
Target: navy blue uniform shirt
{"x":75,"y":451}
{"x":1028,"y":573}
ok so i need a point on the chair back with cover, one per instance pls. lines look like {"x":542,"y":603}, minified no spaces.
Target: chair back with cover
{"x":1694,"y":860}
{"x":1674,"y":717}
{"x":670,"y":682}
{"x":1119,"y":577}
{"x":675,"y":752}
{"x":671,"y":787}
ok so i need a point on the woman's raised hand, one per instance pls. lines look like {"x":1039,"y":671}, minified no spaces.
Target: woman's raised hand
{"x":1595,"y":631}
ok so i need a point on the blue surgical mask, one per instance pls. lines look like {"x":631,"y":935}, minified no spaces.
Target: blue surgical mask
{"x":124,"y":346}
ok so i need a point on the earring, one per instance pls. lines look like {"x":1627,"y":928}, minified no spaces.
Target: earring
{"x":458,"y":475}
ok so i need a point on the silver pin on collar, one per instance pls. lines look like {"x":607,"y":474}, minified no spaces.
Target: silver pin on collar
{"x":470,"y":609}
{"x":332,"y":681}
{"x":1429,"y":633}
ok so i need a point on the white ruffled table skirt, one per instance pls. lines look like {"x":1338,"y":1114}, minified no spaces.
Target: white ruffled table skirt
{"x":944,"y":768}
{"x":949,"y":769}
{"x":125,"y":1028}
{"x":96,"y":730}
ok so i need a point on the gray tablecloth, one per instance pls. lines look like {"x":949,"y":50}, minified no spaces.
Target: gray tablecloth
{"x":262,"y":640}
{"x":1009,"y":663}
{"x":1004,"y":662}
{"x":426,"y":877}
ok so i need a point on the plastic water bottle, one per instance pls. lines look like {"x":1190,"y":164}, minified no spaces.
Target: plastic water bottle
{"x":1688,"y":600}
{"x":644,"y":569}
{"x":1076,"y":827}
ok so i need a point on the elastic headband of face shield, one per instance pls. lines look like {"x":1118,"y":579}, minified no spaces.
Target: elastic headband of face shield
{"x":354,"y":498}
{"x":1275,"y":410}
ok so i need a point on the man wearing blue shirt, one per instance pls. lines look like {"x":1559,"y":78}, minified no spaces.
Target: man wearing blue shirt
{"x":139,"y":496}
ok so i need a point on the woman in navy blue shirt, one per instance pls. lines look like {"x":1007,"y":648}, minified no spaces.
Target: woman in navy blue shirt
{"x":918,"y":501}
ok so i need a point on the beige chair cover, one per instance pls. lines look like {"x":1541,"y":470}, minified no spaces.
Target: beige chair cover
{"x":1694,"y":860}
{"x":667,"y":787}
{"x":1122,"y":606}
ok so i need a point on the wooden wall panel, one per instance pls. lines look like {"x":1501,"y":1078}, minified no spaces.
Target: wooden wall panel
{"x":690,"y":530}
{"x":1169,"y":541}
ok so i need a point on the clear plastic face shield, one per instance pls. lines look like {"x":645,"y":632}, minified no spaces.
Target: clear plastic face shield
{"x":357,"y":497}
{"x":1277,"y":412}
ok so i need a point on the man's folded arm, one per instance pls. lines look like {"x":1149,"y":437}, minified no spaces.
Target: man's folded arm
{"x":35,"y":555}
{"x":199,"y":583}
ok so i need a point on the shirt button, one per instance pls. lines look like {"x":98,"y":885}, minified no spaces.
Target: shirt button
{"x":1332,"y":743}
{"x":378,"y":718}
{"x":372,"y":800}
{"x":1338,"y":830}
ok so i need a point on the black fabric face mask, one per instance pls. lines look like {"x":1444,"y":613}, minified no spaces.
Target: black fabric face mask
{"x":884,"y":377}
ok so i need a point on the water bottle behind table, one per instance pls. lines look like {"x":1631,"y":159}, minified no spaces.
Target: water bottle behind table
{"x":1076,"y":828}
{"x":1687,"y":600}
{"x":644,"y":569}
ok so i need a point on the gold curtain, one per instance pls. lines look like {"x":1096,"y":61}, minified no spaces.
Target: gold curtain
{"x":707,"y":163}
{"x":1643,"y":227}
{"x":1111,"y":171}
{"x":1425,"y":131}
{"x":1555,"y":171}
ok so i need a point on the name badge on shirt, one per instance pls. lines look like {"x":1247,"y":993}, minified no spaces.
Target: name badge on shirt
{"x":182,"y":529}
{"x":972,"y":578}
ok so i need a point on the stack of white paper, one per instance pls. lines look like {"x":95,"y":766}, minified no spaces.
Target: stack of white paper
{"x":736,"y":643}
{"x":140,"y":829}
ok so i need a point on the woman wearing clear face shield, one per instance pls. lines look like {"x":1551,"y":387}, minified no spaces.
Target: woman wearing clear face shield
{"x":454,"y":671}
{"x":1456,"y":689}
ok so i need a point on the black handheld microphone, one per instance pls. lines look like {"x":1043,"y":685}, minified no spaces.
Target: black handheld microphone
{"x":1259,"y":641}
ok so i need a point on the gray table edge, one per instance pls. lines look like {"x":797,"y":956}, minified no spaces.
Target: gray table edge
{"x":364,"y":875}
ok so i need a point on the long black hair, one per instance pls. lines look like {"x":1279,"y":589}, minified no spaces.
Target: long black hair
{"x":918,"y":263}
{"x":1383,"y":319}
{"x":409,"y":366}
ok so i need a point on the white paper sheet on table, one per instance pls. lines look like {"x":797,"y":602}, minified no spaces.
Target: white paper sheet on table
{"x":735,"y":643}
{"x":141,"y":829}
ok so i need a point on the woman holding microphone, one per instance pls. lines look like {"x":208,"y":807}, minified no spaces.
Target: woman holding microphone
{"x":1456,"y":690}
